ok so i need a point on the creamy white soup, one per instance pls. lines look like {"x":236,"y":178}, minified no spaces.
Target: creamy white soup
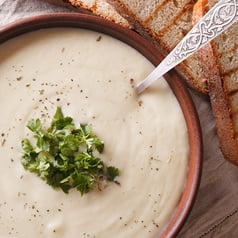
{"x":91,"y":76}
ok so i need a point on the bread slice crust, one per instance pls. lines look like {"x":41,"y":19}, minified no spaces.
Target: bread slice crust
{"x":97,"y":7}
{"x":219,"y":96}
{"x":101,"y":8}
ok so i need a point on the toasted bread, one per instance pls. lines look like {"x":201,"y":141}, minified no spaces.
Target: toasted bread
{"x":165,"y":23}
{"x":220,"y":63}
{"x":65,"y":3}
{"x":101,"y":8}
{"x":97,"y":7}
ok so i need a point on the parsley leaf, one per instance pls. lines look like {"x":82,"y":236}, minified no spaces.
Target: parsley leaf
{"x":112,"y":173}
{"x":63,"y":155}
{"x":34,"y":125}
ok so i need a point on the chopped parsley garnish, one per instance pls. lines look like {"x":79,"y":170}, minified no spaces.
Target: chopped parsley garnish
{"x":63,"y":155}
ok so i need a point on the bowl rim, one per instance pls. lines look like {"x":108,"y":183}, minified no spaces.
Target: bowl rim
{"x":146,"y":48}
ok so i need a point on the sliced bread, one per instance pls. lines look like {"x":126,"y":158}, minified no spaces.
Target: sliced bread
{"x":220,"y":63}
{"x":64,"y":3}
{"x":97,"y":7}
{"x":165,"y":23}
{"x":101,"y":8}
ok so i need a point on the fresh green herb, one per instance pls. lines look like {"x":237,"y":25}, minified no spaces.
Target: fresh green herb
{"x":63,"y":155}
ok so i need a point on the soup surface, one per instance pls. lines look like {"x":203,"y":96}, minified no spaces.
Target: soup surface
{"x":91,"y":76}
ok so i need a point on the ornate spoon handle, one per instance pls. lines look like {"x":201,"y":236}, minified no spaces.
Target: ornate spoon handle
{"x":217,"y":19}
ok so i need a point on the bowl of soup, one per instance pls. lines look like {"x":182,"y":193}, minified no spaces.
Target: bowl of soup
{"x":89,"y":67}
